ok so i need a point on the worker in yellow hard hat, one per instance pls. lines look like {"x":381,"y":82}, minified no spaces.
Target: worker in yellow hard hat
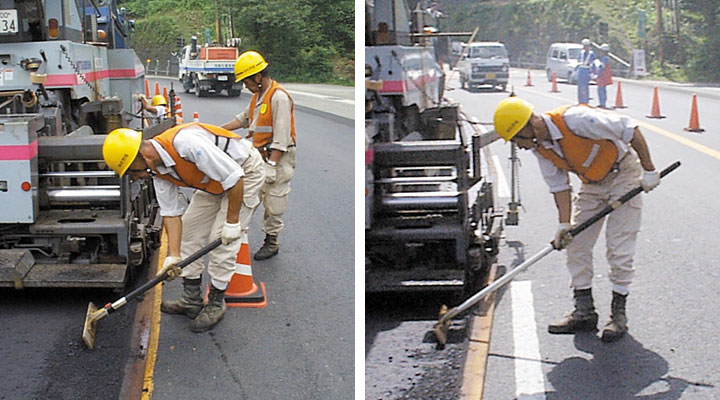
{"x":156,"y":109}
{"x":609,"y":154}
{"x":270,"y":121}
{"x":227,"y":172}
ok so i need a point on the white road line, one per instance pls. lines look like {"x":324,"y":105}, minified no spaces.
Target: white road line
{"x":529,"y":378}
{"x":320,"y":96}
{"x":503,"y":188}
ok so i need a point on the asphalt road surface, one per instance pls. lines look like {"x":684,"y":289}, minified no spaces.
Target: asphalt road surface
{"x":300,"y":346}
{"x":669,"y":352}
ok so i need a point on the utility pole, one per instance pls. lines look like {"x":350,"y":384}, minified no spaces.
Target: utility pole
{"x":218,"y":29}
{"x":659,"y":31}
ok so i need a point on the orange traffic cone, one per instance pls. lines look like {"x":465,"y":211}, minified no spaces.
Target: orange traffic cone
{"x":529,"y":82}
{"x":618,"y":97}
{"x":178,"y":110}
{"x":694,"y":120}
{"x":147,"y":90}
{"x":196,"y":117}
{"x":655,"y":113}
{"x":242,"y":290}
{"x":554,"y":83}
{"x":157,"y":89}
{"x":165,"y":95}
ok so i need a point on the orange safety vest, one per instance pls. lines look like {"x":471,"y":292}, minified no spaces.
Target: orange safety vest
{"x":590,"y":159}
{"x":190,"y":175}
{"x":263,"y":133}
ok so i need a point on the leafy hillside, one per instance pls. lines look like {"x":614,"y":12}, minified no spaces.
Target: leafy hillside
{"x":687,"y":47}
{"x":303,"y":40}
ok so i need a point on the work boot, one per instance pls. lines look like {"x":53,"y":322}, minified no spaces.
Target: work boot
{"x":190,"y":303}
{"x":617,"y":326}
{"x":212,"y":313}
{"x":269,"y":249}
{"x":582,"y":319}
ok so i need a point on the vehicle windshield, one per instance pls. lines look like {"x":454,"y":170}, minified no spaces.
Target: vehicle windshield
{"x":488,"y":52}
{"x":574,"y":54}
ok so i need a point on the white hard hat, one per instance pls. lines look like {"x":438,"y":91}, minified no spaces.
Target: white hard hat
{"x":585,"y":42}
{"x":605,"y":47}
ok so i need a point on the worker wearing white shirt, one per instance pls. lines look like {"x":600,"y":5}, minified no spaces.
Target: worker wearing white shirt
{"x":228,"y":173}
{"x":156,"y":109}
{"x":609,"y":154}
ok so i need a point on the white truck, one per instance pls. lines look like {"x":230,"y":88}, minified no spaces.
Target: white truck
{"x":208,"y":70}
{"x":484,"y":63}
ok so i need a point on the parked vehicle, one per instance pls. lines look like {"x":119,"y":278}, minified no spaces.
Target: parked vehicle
{"x":484,"y":63}
{"x":208,"y":69}
{"x":562,"y":59}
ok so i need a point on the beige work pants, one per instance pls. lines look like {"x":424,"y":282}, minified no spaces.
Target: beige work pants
{"x":621,"y":228}
{"x":275,"y":195}
{"x":204,"y":219}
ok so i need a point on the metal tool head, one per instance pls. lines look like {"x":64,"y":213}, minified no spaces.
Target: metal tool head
{"x":90,"y":326}
{"x":441,"y":328}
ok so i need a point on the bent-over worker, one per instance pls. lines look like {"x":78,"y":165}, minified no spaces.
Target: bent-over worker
{"x":227,"y":172}
{"x":609,"y":154}
{"x":156,"y":109}
{"x":270,"y":121}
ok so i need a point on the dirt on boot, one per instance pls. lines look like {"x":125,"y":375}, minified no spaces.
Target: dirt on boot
{"x":190,"y":303}
{"x":582,"y":319}
{"x":617,"y":326}
{"x":211,"y":313}
{"x":269,"y":249}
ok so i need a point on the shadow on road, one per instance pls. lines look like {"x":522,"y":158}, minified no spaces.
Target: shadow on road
{"x":620,"y":370}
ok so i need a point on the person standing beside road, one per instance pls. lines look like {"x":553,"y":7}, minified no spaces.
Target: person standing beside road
{"x":604,"y":75}
{"x":270,"y":121}
{"x":585,"y":59}
{"x":609,"y":154}
{"x":228,"y":173}
{"x":156,"y":109}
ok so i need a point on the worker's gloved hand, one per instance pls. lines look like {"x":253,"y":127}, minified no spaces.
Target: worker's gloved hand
{"x":170,"y":266}
{"x":562,"y":239}
{"x":230,"y":233}
{"x":270,"y":173}
{"x":650,"y":180}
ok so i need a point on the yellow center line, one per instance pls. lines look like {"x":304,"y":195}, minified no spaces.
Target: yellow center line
{"x":672,"y":136}
{"x":148,"y":382}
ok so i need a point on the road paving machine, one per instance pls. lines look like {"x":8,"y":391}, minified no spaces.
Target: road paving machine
{"x":66,"y":80}
{"x":430,"y":218}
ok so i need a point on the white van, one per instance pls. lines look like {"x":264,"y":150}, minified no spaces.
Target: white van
{"x":484,"y":63}
{"x":562,"y":59}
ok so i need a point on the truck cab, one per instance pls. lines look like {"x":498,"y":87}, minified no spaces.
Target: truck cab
{"x":208,"y":69}
{"x":484,"y":63}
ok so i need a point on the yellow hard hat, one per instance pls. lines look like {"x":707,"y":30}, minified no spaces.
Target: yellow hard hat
{"x":120,"y":149}
{"x":511,"y":115}
{"x":249,"y":63}
{"x":159,"y":100}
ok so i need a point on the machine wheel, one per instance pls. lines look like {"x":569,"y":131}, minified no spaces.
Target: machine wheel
{"x":198,"y":92}
{"x":463,"y":81}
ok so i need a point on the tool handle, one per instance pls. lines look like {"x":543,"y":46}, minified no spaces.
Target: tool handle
{"x":622,"y":200}
{"x":152,"y":282}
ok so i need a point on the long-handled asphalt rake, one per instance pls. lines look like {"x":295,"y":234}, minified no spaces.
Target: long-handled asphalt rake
{"x":441,"y":327}
{"x":94,"y":314}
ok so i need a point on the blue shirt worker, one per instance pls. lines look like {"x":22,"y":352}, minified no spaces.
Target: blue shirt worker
{"x":604,"y":75}
{"x":585,"y":59}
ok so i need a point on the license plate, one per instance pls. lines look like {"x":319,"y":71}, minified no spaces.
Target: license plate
{"x":8,"y":21}
{"x":489,"y":76}
{"x":222,"y":78}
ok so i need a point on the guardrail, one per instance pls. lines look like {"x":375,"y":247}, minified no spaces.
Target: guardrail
{"x":617,"y":70}
{"x":169,"y":67}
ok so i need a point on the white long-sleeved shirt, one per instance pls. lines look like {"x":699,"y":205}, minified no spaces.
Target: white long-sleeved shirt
{"x":588,"y":123}
{"x":196,"y":145}
{"x":281,"y":115}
